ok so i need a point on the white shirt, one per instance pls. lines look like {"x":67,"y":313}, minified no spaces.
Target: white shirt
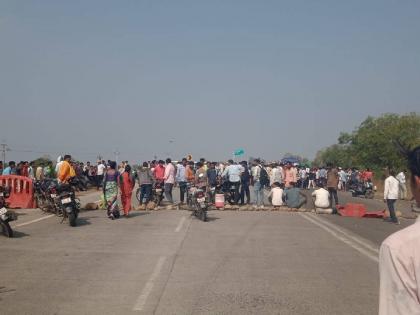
{"x":234,"y":172}
{"x":392,"y":188}
{"x":169,"y":174}
{"x":401,"y":178}
{"x":399,"y":268}
{"x":322,"y":198}
{"x":101,"y":169}
{"x":276,"y":195}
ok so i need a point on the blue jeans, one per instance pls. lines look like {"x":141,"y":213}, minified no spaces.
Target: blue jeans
{"x":259,"y":193}
{"x":145,"y":192}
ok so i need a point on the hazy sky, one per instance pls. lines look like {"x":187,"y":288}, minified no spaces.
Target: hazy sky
{"x":88,"y":77}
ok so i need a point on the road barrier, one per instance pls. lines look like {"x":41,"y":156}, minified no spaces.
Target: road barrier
{"x":21,"y":191}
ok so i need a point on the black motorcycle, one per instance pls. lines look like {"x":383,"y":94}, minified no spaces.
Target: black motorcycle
{"x":45,"y":194}
{"x":156,"y":195}
{"x":363,"y":189}
{"x":66,"y":203}
{"x":197,"y":202}
{"x":6,"y":215}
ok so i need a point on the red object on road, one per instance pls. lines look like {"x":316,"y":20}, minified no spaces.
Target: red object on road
{"x":21,"y":191}
{"x":357,"y":210}
{"x":375,"y":214}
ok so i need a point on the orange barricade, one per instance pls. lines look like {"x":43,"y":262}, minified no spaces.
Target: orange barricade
{"x":21,"y":191}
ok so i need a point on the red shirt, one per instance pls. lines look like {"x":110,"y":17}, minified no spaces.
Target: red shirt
{"x":159,"y":172}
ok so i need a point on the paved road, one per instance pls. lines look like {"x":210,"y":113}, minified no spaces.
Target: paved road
{"x":165,"y":262}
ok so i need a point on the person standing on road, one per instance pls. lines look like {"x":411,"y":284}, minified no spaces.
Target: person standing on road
{"x":332,"y":185}
{"x":312,"y":176}
{"x":110,"y":189}
{"x":169,"y":178}
{"x":100,"y":170}
{"x":342,"y":183}
{"x":181,"y":179}
{"x":391,"y":192}
{"x":233,"y":174}
{"x":290,"y":175}
{"x":126,"y":186}
{"x":145,"y":178}
{"x":399,"y":258}
{"x":11,"y":169}
{"x":258,"y":187}
{"x":403,"y":187}
{"x":245,"y":181}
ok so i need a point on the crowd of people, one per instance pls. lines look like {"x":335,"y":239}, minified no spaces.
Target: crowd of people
{"x":282,"y":182}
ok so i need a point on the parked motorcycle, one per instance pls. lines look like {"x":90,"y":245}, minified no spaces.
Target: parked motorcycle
{"x":229,"y":191}
{"x":6,"y":215}
{"x":198,"y":202}
{"x":44,"y":196}
{"x":66,"y":202}
{"x":366,"y":190}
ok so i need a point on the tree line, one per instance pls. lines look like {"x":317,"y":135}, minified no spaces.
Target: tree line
{"x":372,"y":144}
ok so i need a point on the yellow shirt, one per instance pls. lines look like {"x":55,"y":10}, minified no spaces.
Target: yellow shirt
{"x":66,"y":172}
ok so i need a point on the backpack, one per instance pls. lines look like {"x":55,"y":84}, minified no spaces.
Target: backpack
{"x":264,"y":179}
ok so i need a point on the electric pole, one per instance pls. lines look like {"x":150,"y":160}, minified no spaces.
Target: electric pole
{"x":4,"y":149}
{"x":117,"y":155}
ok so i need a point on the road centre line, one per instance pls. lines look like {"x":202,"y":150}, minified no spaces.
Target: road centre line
{"x":342,"y":231}
{"x":142,"y":299}
{"x":180,"y":224}
{"x":347,"y":239}
{"x":36,"y":220}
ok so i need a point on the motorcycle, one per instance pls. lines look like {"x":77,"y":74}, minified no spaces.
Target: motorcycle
{"x":156,"y":195}
{"x":197,"y":201}
{"x":229,"y":191}
{"x":44,"y":197}
{"x":366,"y":190}
{"x":6,"y":215}
{"x":66,"y":203}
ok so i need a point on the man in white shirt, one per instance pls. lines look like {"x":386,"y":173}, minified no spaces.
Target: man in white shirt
{"x":169,"y":178}
{"x":399,"y":259}
{"x":321,"y":199}
{"x":391,"y":191}
{"x":403,"y":187}
{"x":100,"y":170}
{"x":276,"y":194}
{"x":233,"y":173}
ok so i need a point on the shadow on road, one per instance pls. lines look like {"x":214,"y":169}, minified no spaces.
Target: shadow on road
{"x":17,"y":234}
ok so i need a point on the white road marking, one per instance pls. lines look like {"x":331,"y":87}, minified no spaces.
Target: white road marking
{"x":345,"y":238}
{"x":36,"y":220}
{"x":342,"y":231}
{"x":181,"y":223}
{"x":142,"y":299}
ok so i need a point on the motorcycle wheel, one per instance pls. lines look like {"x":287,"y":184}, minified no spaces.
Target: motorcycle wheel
{"x":41,"y":203}
{"x":230,"y":198}
{"x":203,"y":215}
{"x":6,"y":230}
{"x":72,"y":218}
{"x":370,"y":194}
{"x":138,"y":193}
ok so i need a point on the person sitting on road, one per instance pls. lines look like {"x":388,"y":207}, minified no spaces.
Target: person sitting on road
{"x":321,"y":199}
{"x":276,"y":195}
{"x":294,"y":197}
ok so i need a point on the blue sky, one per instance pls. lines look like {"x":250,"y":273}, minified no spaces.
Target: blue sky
{"x":90,"y":77}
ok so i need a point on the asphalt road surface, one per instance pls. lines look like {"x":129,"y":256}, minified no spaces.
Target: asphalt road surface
{"x":166,"y":262}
